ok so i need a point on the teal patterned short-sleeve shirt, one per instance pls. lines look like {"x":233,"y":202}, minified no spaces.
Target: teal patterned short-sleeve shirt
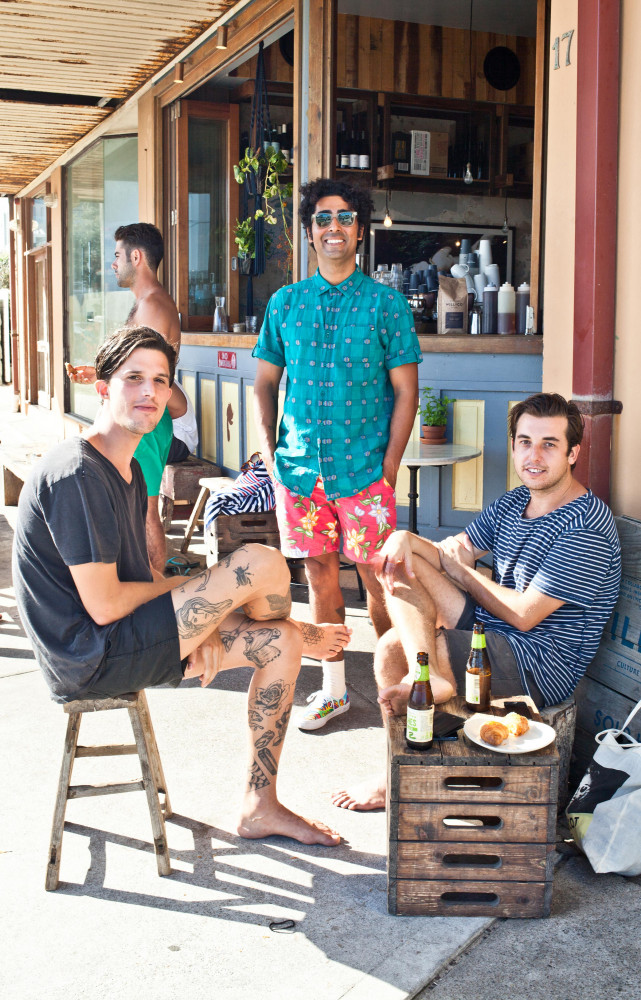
{"x":338,"y":344}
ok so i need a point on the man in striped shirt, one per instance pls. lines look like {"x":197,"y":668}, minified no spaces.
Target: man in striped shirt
{"x":557,"y":570}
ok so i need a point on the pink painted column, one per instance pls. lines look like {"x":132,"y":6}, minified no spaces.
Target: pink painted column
{"x":595,"y":234}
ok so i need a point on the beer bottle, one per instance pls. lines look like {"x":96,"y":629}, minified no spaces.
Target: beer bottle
{"x":420,"y":708}
{"x":478,"y":673}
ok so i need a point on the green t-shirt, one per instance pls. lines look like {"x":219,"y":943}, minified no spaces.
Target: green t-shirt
{"x":152,"y":453}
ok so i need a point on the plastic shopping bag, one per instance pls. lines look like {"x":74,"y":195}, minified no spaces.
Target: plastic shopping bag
{"x":604,"y":813}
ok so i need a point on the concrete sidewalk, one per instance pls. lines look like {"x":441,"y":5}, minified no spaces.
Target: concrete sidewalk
{"x":115,"y":929}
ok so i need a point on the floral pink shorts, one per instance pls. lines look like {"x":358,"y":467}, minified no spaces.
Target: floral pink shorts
{"x":312,"y":526}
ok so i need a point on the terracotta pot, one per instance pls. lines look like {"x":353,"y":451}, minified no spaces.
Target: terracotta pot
{"x":433,"y":435}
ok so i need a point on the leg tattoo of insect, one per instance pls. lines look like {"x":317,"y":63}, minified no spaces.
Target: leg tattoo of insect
{"x":243,"y":576}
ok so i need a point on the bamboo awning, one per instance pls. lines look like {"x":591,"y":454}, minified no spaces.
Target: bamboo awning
{"x":59,"y":59}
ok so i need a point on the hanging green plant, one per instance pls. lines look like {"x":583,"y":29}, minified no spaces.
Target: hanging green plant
{"x":266,"y":166}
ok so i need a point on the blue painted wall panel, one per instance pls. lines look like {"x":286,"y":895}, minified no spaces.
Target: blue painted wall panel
{"x":495,"y":378}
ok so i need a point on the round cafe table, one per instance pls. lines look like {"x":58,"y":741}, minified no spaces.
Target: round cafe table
{"x":417,"y":453}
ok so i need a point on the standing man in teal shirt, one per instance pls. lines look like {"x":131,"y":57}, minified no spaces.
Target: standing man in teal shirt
{"x":351,"y":353}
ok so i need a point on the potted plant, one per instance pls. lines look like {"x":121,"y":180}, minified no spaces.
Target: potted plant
{"x":245,"y":241}
{"x":433,"y":410}
{"x":266,"y":166}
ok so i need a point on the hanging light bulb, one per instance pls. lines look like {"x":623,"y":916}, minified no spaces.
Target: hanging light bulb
{"x":505,"y":228}
{"x":387,"y":221}
{"x":467,"y":176}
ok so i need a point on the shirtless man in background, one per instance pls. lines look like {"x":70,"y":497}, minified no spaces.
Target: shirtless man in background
{"x":139,"y":251}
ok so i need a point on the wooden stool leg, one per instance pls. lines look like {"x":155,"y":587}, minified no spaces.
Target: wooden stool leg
{"x":141,"y":734}
{"x":57,"y":828}
{"x":195,"y":516}
{"x":154,"y":759}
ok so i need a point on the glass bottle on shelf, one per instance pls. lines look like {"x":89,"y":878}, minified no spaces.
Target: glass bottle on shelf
{"x":285,"y":142}
{"x":220,"y":316}
{"x":344,"y":147}
{"x":363,"y":153}
{"x":353,"y":151}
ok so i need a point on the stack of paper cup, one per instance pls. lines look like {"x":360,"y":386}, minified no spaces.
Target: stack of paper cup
{"x":492,"y":273}
{"x":485,"y":254}
{"x":480,"y":281}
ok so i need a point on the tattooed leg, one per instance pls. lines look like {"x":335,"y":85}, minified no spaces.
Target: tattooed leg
{"x":245,"y":578}
{"x":276,"y":654}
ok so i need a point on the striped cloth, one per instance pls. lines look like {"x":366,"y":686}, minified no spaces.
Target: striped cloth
{"x":252,"y":492}
{"x":572,"y":554}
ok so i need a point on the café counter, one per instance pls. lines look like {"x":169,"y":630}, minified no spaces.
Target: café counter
{"x":482,"y":375}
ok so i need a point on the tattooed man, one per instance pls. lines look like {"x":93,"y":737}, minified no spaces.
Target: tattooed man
{"x":104,"y":623}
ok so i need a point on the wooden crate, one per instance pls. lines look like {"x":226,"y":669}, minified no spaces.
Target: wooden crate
{"x":612,"y":685}
{"x":180,"y":486}
{"x":471,"y":832}
{"x":230,"y":531}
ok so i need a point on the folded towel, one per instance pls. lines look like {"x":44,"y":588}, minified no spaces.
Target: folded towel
{"x":252,"y":492}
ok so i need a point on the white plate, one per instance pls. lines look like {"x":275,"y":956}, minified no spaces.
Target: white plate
{"x":538,"y":735}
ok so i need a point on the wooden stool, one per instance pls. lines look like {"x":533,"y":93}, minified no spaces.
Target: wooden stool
{"x":179,"y":486}
{"x":153,"y":779}
{"x":209,"y":484}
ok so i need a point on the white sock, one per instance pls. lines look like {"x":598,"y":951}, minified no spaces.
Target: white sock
{"x":333,"y":678}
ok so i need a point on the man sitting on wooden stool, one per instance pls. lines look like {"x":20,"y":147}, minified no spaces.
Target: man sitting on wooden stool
{"x":103,"y":623}
{"x":557,"y":569}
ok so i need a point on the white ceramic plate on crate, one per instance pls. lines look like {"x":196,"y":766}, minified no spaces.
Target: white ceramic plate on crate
{"x":538,"y":735}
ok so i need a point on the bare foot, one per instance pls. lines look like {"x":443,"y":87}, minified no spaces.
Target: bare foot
{"x":321,"y":641}
{"x":278,"y":820}
{"x":364,"y":797}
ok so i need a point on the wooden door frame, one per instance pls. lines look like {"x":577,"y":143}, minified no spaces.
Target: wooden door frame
{"x":32,"y":257}
{"x":177,"y":191}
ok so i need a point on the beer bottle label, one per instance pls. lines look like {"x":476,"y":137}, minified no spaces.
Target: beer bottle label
{"x":473,"y":689}
{"x":422,"y":672}
{"x":478,"y":640}
{"x":420,"y":724}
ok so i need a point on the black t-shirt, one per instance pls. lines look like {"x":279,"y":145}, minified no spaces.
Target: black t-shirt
{"x":76,"y":508}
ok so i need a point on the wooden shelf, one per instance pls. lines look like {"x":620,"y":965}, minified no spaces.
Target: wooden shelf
{"x":480,"y":344}
{"x":429,"y":343}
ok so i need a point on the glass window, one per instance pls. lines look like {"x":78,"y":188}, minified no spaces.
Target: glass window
{"x":102,"y":194}
{"x":38,"y":223}
{"x":207,"y":214}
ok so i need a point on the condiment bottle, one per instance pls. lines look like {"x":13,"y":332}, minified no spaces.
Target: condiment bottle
{"x":478,"y":673}
{"x":490,"y":303}
{"x":522,"y":302}
{"x":419,"y":732}
{"x":506,"y":306}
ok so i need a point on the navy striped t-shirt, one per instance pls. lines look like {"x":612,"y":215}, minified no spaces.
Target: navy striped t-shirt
{"x":572,"y":554}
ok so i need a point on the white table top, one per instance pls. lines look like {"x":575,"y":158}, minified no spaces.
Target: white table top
{"x":418,"y":453}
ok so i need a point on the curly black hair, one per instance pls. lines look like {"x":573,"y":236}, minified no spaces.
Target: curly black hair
{"x":358,"y":199}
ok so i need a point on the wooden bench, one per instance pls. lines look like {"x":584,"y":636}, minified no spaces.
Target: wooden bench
{"x":15,"y":470}
{"x":612,"y":684}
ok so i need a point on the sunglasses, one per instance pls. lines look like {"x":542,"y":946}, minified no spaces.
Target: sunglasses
{"x":251,"y":462}
{"x":344,"y":218}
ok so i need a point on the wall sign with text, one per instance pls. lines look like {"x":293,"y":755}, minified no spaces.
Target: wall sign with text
{"x":227,"y":359}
